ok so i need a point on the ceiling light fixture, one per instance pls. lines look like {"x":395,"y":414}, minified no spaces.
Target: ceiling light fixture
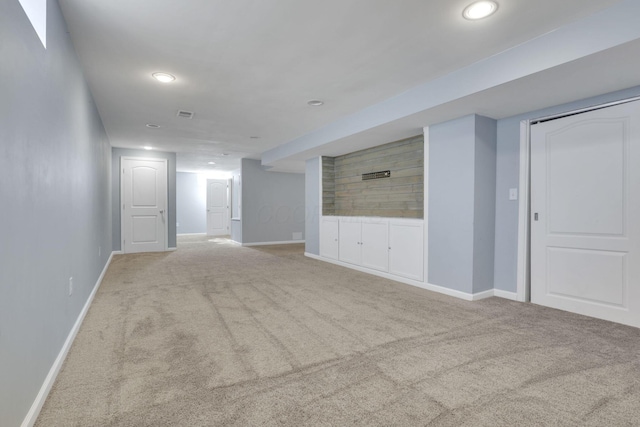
{"x":148,"y":147}
{"x":315,"y":103}
{"x":224,"y":154}
{"x":163,"y":77}
{"x":479,"y":10}
{"x":153,"y":126}
{"x":212,"y":163}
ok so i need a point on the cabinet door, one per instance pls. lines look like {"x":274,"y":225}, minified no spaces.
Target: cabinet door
{"x":350,"y":241}
{"x":329,"y":237}
{"x":375,"y":244}
{"x":406,"y":253}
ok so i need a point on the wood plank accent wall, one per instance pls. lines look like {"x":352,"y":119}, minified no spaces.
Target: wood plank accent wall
{"x":400,"y":196}
{"x":328,"y":186}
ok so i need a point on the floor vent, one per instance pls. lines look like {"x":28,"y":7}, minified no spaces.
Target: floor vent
{"x":185,"y":114}
{"x":376,"y":175}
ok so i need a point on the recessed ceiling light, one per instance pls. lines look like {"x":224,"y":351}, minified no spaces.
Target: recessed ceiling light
{"x":163,"y":77}
{"x":224,"y":154}
{"x":152,"y":126}
{"x":479,"y":10}
{"x":315,"y":103}
{"x":148,"y":147}
{"x":212,"y":163}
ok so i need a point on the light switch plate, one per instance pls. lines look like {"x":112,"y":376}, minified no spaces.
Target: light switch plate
{"x":513,"y":194}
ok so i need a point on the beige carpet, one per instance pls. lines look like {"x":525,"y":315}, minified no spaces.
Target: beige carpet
{"x":219,"y":335}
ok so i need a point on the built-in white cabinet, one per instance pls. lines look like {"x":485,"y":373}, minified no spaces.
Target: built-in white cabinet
{"x":392,"y":245}
{"x":329,"y":234}
{"x":406,"y":248}
{"x":364,"y":241}
{"x":350,"y":240}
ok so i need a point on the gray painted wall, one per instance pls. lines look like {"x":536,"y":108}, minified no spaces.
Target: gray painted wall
{"x":191,"y":203}
{"x":451,"y":203}
{"x":171,"y":186}
{"x":484,"y":204}
{"x":312,"y":203}
{"x":272,"y":204}
{"x":507,"y":176}
{"x":55,"y":188}
{"x":462,"y":164}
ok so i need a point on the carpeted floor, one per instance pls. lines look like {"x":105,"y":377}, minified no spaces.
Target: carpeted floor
{"x":220,"y":335}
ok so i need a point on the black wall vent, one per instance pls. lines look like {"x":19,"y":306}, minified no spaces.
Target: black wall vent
{"x":376,"y":175}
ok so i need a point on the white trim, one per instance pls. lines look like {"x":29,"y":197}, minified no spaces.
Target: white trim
{"x":117,"y":253}
{"x":583,"y":110}
{"x":171,"y":249}
{"x":285,"y":242}
{"x":427,"y":286}
{"x":192,"y":234}
{"x":425,"y":215}
{"x":523,"y":284}
{"x":34,"y":411}
{"x":513,"y":296}
{"x":321,"y":201}
{"x":482,"y":295}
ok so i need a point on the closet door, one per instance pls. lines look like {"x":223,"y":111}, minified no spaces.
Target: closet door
{"x":585,"y":210}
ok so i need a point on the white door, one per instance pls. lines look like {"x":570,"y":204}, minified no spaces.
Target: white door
{"x":406,"y":248}
{"x":217,"y":207}
{"x":144,"y":205}
{"x":350,"y":241}
{"x":585,"y":207}
{"x":375,"y":244}
{"x":329,"y":237}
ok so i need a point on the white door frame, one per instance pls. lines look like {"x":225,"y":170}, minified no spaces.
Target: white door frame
{"x":523,"y":278}
{"x":166,"y":222}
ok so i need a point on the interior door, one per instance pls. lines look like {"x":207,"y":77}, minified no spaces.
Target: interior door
{"x":144,"y":205}
{"x":585,"y":206}
{"x":217,"y":207}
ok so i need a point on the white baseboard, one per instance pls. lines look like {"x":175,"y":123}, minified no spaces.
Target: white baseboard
{"x":171,"y":249}
{"x":191,"y":234}
{"x":369,"y":271}
{"x":285,"y":242}
{"x":428,"y":286}
{"x":116,"y":253}
{"x":513,"y":296}
{"x":34,"y":411}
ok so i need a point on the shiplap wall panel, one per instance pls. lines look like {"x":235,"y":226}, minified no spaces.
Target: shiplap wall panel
{"x":400,"y":196}
{"x":328,"y":186}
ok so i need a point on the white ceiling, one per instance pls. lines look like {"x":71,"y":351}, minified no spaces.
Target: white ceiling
{"x":247,"y":68}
